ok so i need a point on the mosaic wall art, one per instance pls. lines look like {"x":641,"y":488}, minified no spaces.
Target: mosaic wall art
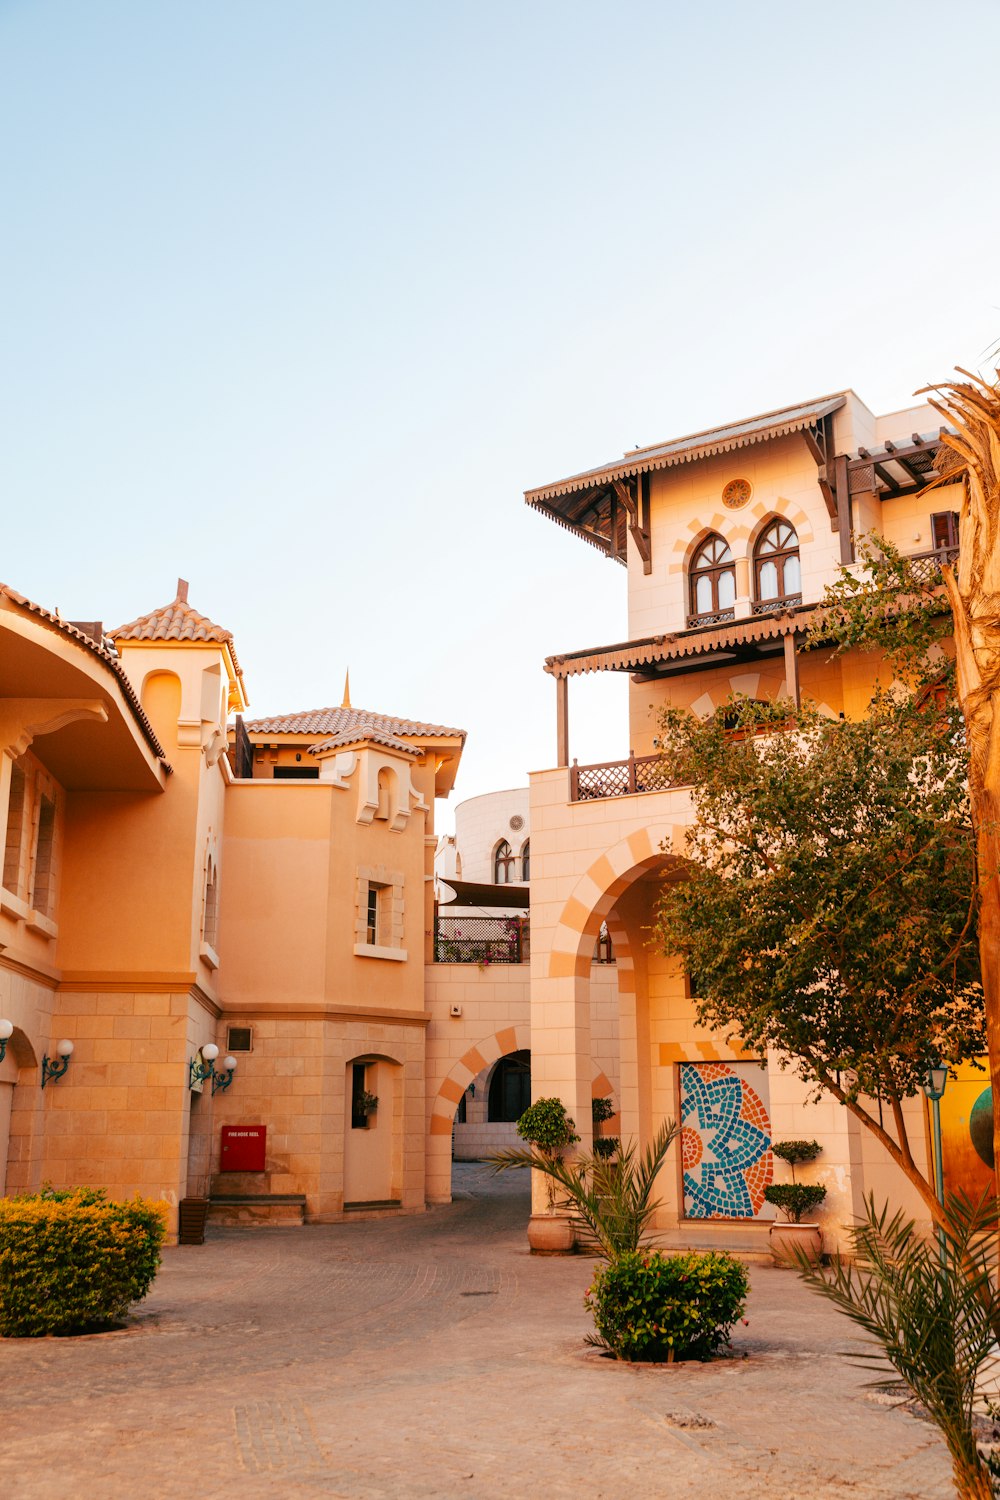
{"x":725,"y":1140}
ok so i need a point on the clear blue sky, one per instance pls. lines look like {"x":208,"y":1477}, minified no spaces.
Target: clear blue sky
{"x":299,"y":297}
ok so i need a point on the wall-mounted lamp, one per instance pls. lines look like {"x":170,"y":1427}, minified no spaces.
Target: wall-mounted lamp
{"x":201,"y":1072}
{"x":472,"y":1089}
{"x":53,"y":1070}
{"x":6,"y":1032}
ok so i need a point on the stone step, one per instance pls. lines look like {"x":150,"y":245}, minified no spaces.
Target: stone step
{"x":258,"y":1209}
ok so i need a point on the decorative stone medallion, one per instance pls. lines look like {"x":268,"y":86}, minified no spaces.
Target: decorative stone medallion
{"x":736,"y":494}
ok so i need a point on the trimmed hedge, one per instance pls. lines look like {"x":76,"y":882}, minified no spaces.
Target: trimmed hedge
{"x":651,"y":1306}
{"x":71,"y":1261}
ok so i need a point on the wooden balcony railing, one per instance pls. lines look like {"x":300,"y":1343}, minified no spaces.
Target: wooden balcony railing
{"x":927,"y":565}
{"x":618,"y":778}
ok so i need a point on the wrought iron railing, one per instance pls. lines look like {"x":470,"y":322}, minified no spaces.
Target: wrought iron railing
{"x":618,"y":778}
{"x":714,"y":617}
{"x":772,"y":606}
{"x":482,"y":940}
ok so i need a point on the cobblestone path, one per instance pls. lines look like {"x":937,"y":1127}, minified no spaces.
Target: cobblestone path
{"x":432,"y":1358}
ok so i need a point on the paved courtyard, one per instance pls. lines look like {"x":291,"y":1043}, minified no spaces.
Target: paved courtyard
{"x":433,"y":1358}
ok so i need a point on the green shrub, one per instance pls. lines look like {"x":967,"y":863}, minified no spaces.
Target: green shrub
{"x":547,"y":1125}
{"x":795,"y":1152}
{"x":651,"y":1306}
{"x":71,"y":1261}
{"x":601,"y":1109}
{"x":795,"y":1198}
{"x":607,"y":1146}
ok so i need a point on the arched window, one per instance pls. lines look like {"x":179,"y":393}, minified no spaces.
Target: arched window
{"x":777,"y":573}
{"x":713,"y":580}
{"x":503,"y":864}
{"x":510,"y":1087}
{"x":526,"y":860}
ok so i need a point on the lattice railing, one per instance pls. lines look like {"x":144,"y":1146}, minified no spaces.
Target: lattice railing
{"x":926,"y":566}
{"x":619,"y":778}
{"x":481,"y":940}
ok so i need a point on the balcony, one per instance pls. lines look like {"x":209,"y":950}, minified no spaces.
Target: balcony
{"x":482,"y":940}
{"x":618,"y":778}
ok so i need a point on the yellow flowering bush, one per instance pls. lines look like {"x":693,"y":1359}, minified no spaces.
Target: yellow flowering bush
{"x":71,"y":1261}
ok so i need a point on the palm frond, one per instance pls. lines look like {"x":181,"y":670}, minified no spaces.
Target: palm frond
{"x":613,"y":1201}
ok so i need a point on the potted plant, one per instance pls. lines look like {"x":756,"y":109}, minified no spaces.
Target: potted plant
{"x":368,"y":1103}
{"x":548,"y":1129}
{"x":604,"y":1145}
{"x":790,"y":1238}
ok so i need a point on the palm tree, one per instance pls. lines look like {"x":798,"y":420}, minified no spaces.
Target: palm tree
{"x":613,"y":1200}
{"x":972,"y":406}
{"x":931,"y":1311}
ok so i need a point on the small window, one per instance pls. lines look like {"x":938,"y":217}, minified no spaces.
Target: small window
{"x":359,"y":1115}
{"x":41,"y":885}
{"x":503,"y":864}
{"x":15,"y":831}
{"x":239,"y":1039}
{"x":386,"y":788}
{"x":526,"y":861}
{"x":713,"y":579}
{"x":944,"y":530}
{"x":296,"y":773}
{"x":778,"y":573}
{"x":372,"y":921}
{"x":210,"y":922}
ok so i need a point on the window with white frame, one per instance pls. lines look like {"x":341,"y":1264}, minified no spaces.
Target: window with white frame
{"x":378,"y":925}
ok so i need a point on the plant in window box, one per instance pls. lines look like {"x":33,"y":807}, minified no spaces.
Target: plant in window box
{"x":368,"y":1103}
{"x":791,"y":1239}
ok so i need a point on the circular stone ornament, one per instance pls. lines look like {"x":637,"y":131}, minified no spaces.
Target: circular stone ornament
{"x":517,"y":822}
{"x":736,"y":494}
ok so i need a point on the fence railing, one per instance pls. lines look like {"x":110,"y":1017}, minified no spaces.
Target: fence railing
{"x":482,"y":940}
{"x":927,"y":565}
{"x":618,"y":778}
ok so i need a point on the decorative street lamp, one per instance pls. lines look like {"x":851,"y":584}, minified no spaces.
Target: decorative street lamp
{"x":206,"y":1069}
{"x":935,"y":1081}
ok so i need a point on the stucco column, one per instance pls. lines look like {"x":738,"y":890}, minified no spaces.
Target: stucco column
{"x":742,"y":609}
{"x":562,"y":721}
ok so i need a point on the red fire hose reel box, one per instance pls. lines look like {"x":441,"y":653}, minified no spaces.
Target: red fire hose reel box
{"x":244,"y":1148}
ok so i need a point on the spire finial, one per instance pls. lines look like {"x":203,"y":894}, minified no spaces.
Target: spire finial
{"x":347,"y":689}
{"x":182,"y":590}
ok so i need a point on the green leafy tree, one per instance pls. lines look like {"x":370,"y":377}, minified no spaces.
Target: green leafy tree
{"x":906,"y":610}
{"x":827,"y":909}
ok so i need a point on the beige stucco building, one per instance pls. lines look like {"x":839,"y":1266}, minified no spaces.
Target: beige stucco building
{"x":729,"y":538}
{"x":176,"y":878}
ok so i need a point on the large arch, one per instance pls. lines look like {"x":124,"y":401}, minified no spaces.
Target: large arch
{"x":442,"y":1113}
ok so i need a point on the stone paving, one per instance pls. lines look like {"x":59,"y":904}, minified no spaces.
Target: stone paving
{"x":432,"y":1357}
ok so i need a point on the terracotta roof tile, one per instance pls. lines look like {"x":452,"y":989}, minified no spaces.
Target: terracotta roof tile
{"x":351,"y":737}
{"x":103,"y":653}
{"x":355,"y":722}
{"x":176,"y":621}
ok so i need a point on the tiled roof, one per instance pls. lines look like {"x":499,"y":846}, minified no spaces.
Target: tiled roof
{"x":697,"y":445}
{"x":351,"y":737}
{"x":103,"y":654}
{"x":176,"y":621}
{"x":356,"y":722}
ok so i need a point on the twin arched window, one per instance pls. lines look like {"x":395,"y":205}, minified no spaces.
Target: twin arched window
{"x":713,"y":578}
{"x":503,"y":864}
{"x":776,"y":573}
